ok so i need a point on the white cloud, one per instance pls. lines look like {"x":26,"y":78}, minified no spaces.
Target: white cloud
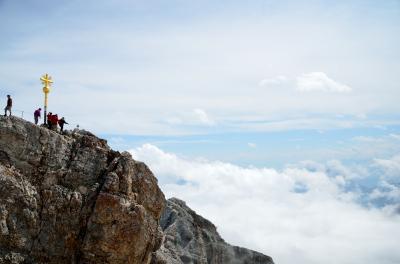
{"x":280,"y":79}
{"x":387,"y":191}
{"x":335,"y":170}
{"x":391,"y":167}
{"x":319,"y":81}
{"x":202,"y":116}
{"x":297,"y":213}
{"x":195,"y":117}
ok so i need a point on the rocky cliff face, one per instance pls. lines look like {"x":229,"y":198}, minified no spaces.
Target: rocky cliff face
{"x":71,"y":199}
{"x":189,"y":238}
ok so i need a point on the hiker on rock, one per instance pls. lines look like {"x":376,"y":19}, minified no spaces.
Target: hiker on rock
{"x":49,"y":118}
{"x":61,"y":123}
{"x":54,"y":122}
{"x":36,"y":115}
{"x":9,"y":105}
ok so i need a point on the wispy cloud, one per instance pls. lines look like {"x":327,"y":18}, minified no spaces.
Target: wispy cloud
{"x":203,"y":117}
{"x":280,"y":79}
{"x":319,"y":81}
{"x":195,"y":117}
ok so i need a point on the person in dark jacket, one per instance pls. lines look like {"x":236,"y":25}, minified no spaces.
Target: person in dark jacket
{"x":9,"y":105}
{"x":61,"y":123}
{"x":49,"y":118}
{"x":36,"y":115}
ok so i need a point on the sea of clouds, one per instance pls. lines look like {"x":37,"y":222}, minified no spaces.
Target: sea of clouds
{"x":305,"y":213}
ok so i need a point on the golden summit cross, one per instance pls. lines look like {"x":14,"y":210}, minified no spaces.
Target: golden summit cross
{"x":46,"y":80}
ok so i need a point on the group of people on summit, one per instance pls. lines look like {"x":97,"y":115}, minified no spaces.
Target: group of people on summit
{"x":52,"y":120}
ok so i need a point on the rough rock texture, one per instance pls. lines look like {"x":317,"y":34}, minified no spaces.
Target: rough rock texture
{"x":71,"y":199}
{"x":189,"y":238}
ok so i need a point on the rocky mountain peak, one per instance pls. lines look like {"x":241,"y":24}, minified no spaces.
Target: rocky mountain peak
{"x":71,"y":199}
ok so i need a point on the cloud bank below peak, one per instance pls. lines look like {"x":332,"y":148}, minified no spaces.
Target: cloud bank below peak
{"x":306,"y":212}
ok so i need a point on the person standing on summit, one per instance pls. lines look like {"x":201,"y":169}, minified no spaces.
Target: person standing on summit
{"x":49,"y":118}
{"x":36,"y":115}
{"x":62,"y":122}
{"x":9,"y":105}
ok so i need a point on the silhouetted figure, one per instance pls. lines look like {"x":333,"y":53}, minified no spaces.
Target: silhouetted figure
{"x":37,"y":115}
{"x":61,"y":123}
{"x":9,"y":105}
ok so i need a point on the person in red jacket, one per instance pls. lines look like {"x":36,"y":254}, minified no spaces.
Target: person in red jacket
{"x":49,"y":118}
{"x":54,"y":122}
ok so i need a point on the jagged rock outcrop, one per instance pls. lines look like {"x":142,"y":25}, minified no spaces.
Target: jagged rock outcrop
{"x":189,"y":238}
{"x":71,"y":199}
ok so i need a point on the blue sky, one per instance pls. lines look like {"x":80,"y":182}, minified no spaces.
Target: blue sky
{"x":265,"y":90}
{"x":277,"y":149}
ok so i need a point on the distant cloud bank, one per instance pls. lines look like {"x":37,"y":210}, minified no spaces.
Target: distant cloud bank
{"x":305,"y":212}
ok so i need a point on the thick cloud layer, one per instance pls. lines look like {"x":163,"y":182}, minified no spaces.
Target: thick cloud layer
{"x":307,"y":213}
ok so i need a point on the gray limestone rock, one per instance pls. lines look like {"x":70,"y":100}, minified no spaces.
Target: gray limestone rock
{"x":189,"y":238}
